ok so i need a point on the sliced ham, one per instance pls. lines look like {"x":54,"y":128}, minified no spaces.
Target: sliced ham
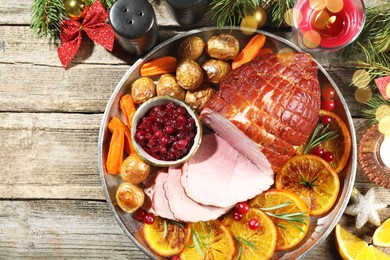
{"x":218,"y":175}
{"x":160,"y":201}
{"x":184,"y":208}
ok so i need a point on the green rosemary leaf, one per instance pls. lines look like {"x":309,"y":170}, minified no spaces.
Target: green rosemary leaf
{"x":281,"y":226}
{"x":196,"y":243}
{"x":296,"y":226}
{"x":165,"y":228}
{"x":277,"y":206}
{"x":320,"y":134}
{"x":239,"y":248}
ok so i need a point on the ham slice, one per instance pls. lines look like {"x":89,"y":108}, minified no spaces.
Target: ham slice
{"x":160,"y":201}
{"x":184,"y":208}
{"x":218,"y":175}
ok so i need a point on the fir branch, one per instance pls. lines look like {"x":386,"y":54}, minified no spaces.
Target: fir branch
{"x":377,"y":63}
{"x":279,"y":9}
{"x":320,"y":134}
{"x":106,"y":3}
{"x":46,"y":17}
{"x":227,"y":12}
{"x":373,"y":104}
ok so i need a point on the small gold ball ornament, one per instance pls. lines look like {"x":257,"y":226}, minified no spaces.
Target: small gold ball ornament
{"x":261,"y":16}
{"x":75,"y":9}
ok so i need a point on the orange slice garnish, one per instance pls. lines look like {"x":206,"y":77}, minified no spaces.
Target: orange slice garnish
{"x":312,"y":179}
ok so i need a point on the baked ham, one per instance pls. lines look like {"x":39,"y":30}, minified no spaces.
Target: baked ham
{"x":273,"y":100}
{"x":220,"y":176}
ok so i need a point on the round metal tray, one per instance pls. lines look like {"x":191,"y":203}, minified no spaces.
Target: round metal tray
{"x":320,"y":227}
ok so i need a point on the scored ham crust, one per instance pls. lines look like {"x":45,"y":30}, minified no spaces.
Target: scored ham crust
{"x":273,"y":100}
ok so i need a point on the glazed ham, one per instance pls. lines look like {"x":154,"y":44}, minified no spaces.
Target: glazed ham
{"x":160,"y":204}
{"x":218,"y":175}
{"x":274,"y":101}
{"x":184,"y":208}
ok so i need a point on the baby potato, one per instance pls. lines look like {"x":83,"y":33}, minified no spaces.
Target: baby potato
{"x":167,"y":86}
{"x":142,"y":90}
{"x":134,"y":169}
{"x":129,"y":197}
{"x":223,"y":47}
{"x":189,"y":74}
{"x":191,"y":48}
{"x":216,"y":70}
{"x":197,"y":98}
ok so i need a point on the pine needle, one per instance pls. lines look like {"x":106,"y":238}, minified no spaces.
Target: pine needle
{"x":373,"y":104}
{"x":279,"y":9}
{"x":46,"y":17}
{"x":320,"y":134}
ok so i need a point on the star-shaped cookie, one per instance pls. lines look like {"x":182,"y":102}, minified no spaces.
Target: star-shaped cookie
{"x":365,"y":208}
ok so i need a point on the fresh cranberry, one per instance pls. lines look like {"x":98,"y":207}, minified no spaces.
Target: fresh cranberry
{"x":326,"y":120}
{"x":318,"y":151}
{"x":169,"y":129}
{"x":253,"y":224}
{"x":243,"y":207}
{"x":139,"y":214}
{"x":328,"y":104}
{"x":328,"y":93}
{"x":328,"y":156}
{"x":149,"y":218}
{"x":237,"y":215}
{"x":175,"y":257}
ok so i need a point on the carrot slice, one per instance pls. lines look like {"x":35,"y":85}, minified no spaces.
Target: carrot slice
{"x":250,"y":51}
{"x":264,"y":52}
{"x":128,"y":108}
{"x":116,"y":124}
{"x":115,"y":152}
{"x":166,"y":64}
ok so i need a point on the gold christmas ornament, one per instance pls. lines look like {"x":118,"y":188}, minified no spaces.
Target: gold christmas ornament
{"x":75,"y":9}
{"x":260,"y":16}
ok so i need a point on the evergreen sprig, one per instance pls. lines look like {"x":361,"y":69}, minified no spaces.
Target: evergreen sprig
{"x":46,"y":17}
{"x":320,"y":134}
{"x":372,"y":105}
{"x":278,"y":10}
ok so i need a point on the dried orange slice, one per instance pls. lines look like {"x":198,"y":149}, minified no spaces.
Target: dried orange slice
{"x":382,"y":234}
{"x":341,"y":145}
{"x":288,"y":212}
{"x":256,"y":243}
{"x":165,"y":237}
{"x":353,"y":248}
{"x":312,"y":179}
{"x":209,"y":240}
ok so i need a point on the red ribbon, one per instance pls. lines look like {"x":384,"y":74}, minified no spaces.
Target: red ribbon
{"x":95,"y":27}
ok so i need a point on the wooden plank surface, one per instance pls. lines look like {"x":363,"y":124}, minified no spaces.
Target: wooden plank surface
{"x":51,"y":200}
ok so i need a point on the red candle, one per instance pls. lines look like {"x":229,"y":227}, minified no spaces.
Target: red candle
{"x":328,"y":24}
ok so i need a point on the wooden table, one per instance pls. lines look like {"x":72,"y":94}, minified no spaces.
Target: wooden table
{"x":51,"y":200}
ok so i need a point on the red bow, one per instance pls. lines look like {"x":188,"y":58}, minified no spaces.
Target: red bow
{"x":95,"y":27}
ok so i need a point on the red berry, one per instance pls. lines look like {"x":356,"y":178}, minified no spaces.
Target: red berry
{"x":318,"y":151}
{"x":328,"y":93}
{"x":328,"y":156}
{"x":175,"y":257}
{"x":253,"y":224}
{"x":326,"y":120}
{"x":328,"y":104}
{"x":149,"y":218}
{"x":243,"y":207}
{"x":237,"y":216}
{"x":139,"y":214}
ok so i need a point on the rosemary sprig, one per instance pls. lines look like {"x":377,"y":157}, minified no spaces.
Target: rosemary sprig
{"x":165,"y":228}
{"x":170,"y":221}
{"x":372,"y":105}
{"x":320,"y":134}
{"x":292,"y":218}
{"x":309,"y":184}
{"x":198,"y":240}
{"x":241,"y":240}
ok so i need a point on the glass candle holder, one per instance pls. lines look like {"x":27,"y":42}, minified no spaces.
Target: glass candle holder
{"x":327,"y":24}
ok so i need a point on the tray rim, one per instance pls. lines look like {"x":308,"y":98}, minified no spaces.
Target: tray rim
{"x":103,"y":129}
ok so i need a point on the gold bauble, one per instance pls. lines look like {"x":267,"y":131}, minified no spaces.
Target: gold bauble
{"x":75,"y":9}
{"x":261,"y":16}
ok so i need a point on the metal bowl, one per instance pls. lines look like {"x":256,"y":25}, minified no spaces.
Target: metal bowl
{"x":320,"y":227}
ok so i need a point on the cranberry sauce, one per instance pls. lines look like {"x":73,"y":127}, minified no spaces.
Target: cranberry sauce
{"x":166,"y":132}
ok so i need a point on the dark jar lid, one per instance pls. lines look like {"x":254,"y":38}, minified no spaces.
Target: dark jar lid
{"x":187,"y":12}
{"x":132,"y":19}
{"x":183,"y":4}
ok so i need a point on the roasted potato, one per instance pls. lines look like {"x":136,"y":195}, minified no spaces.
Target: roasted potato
{"x":167,"y":86}
{"x":223,"y":47}
{"x":134,"y":169}
{"x":197,"y":98}
{"x":189,"y":74}
{"x":191,"y":48}
{"x":129,"y":197}
{"x":216,"y":70}
{"x":142,"y":90}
